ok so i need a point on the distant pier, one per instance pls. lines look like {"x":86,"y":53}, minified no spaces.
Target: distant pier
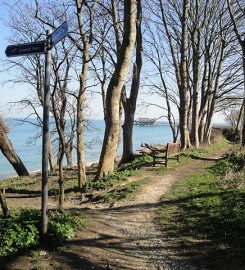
{"x":148,"y":122}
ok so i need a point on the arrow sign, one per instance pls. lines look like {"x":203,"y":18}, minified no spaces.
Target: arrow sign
{"x":59,"y":33}
{"x":26,"y":49}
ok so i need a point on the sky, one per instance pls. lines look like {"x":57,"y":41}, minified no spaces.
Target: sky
{"x":8,"y":93}
{"x":11,"y":93}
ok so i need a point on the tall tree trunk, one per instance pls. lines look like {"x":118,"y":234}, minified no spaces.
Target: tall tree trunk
{"x":59,"y":116}
{"x":68,"y":154}
{"x":238,"y":123}
{"x":8,"y":150}
{"x":113,"y":97}
{"x":183,"y":90}
{"x":243,"y":123}
{"x":61,"y":183}
{"x":82,"y":96}
{"x":241,"y":40}
{"x":129,"y":105}
{"x":196,"y":45}
{"x":80,"y":128}
{"x":128,"y":133}
{"x":213,"y":99}
{"x":201,"y":128}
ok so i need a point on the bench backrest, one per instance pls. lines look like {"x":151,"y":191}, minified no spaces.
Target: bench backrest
{"x":173,"y":148}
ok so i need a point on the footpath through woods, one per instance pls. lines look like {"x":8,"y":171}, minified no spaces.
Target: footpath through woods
{"x":123,"y":235}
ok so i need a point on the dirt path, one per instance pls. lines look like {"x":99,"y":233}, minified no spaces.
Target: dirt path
{"x":122,"y":236}
{"x":125,"y":236}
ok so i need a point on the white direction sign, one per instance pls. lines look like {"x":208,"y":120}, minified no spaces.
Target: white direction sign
{"x":59,"y":33}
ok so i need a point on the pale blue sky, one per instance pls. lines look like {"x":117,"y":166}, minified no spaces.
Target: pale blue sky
{"x":14,"y":93}
{"x":8,"y":93}
{"x":17,"y":92}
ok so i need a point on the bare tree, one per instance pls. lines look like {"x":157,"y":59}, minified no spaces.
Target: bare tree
{"x":129,"y":104}
{"x":8,"y":150}
{"x":159,"y":80}
{"x":83,"y":77}
{"x":192,"y":70}
{"x":183,"y":87}
{"x":172,"y":17}
{"x":237,"y":14}
{"x":113,"y":97}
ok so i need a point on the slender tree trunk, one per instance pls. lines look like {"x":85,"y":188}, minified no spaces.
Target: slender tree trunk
{"x":8,"y":150}
{"x":201,"y":129}
{"x":120,"y":130}
{"x":129,"y":105}
{"x":238,"y":123}
{"x":68,"y":154}
{"x":183,"y":90}
{"x":241,"y":40}
{"x":196,"y":44}
{"x":80,"y":128}
{"x":213,"y":100}
{"x":106,"y":163}
{"x":61,"y":184}
{"x":103,"y":81}
{"x":82,"y":96}
{"x":4,"y":205}
{"x":243,"y":123}
{"x":52,"y":163}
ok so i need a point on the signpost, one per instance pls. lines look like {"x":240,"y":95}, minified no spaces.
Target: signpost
{"x":58,"y":34}
{"x":45,"y":153}
{"x":42,"y":47}
{"x":26,"y":49}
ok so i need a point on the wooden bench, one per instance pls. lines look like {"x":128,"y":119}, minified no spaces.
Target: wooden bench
{"x":161,"y":154}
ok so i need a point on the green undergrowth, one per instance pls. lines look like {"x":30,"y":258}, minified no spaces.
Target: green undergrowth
{"x":207,"y":150}
{"x":122,"y":192}
{"x":20,"y":232}
{"x":120,"y":174}
{"x":205,"y":212}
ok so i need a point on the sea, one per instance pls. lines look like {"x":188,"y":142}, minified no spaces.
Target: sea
{"x":29,"y":150}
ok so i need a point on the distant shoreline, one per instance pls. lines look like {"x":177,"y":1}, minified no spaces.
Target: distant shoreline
{"x":33,"y":172}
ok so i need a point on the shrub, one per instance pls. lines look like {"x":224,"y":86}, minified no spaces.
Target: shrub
{"x":232,"y":180}
{"x":232,"y":135}
{"x":237,"y":159}
{"x":221,"y":167}
{"x":21,"y":232}
{"x":119,"y":174}
{"x":63,"y":226}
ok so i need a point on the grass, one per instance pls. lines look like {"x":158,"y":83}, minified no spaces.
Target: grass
{"x":112,"y":191}
{"x":207,"y":150}
{"x":122,"y":192}
{"x":119,"y":175}
{"x":108,"y":185}
{"x":207,"y":218}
